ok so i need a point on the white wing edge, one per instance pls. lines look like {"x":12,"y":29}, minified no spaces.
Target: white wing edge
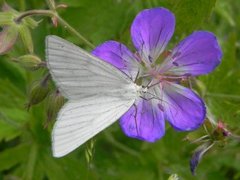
{"x":75,"y":125}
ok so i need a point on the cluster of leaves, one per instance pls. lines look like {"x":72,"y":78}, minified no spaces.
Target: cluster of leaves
{"x":25,"y":147}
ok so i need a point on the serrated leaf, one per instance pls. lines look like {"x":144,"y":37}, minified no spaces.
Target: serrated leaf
{"x":13,"y":156}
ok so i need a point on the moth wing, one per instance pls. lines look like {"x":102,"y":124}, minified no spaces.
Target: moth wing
{"x":98,"y":94}
{"x":77,"y":122}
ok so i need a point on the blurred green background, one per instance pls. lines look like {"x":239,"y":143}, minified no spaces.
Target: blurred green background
{"x":25,"y":147}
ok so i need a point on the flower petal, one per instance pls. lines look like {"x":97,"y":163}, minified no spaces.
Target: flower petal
{"x":197,"y":54}
{"x":143,"y":121}
{"x":119,"y":56}
{"x":184,"y":110}
{"x":151,"y":30}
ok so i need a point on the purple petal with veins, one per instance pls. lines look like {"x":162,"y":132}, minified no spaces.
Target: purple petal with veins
{"x":184,"y":110}
{"x":151,"y":31}
{"x":197,"y":54}
{"x":144,"y":121}
{"x":119,"y":56}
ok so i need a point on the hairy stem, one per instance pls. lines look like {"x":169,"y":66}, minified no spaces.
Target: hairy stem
{"x":52,"y":7}
{"x":53,"y":13}
{"x":34,"y":12}
{"x":74,"y":31}
{"x":51,"y":4}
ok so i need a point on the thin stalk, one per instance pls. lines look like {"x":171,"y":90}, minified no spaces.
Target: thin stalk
{"x":52,"y":13}
{"x":200,"y":139}
{"x":34,"y":12}
{"x":206,"y":130}
{"x":229,"y":96}
{"x":51,"y":4}
{"x":74,"y":31}
{"x":121,"y":146}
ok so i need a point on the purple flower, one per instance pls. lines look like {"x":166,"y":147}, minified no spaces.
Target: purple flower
{"x":166,"y":99}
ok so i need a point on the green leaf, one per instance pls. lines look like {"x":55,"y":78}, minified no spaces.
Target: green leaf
{"x":13,"y":156}
{"x":12,"y":75}
{"x":111,"y":18}
{"x":11,"y":123}
{"x":8,"y":132}
{"x":190,"y":14}
{"x":31,"y":164}
{"x":222,"y":94}
{"x":10,"y":95}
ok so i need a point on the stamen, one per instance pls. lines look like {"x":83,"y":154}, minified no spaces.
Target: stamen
{"x":176,"y":55}
{"x":135,"y":118}
{"x":160,"y":106}
{"x":175,"y":63}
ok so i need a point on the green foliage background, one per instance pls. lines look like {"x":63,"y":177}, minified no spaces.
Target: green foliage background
{"x":25,"y":147}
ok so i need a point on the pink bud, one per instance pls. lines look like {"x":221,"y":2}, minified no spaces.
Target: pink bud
{"x":220,"y":125}
{"x":55,"y":21}
{"x":8,"y":37}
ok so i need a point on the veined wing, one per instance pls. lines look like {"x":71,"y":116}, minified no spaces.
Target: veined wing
{"x":78,"y":74}
{"x":79,"y":121}
{"x":98,"y":94}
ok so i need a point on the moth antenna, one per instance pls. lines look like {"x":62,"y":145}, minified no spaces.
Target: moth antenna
{"x":136,"y":76}
{"x":135,"y":118}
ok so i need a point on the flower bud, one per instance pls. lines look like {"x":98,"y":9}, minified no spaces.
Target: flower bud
{"x":26,"y":37}
{"x":30,"y":22}
{"x":198,"y":154}
{"x":55,"y":102}
{"x":8,"y":37}
{"x":29,"y":62}
{"x":221,"y":132}
{"x":6,"y":18}
{"x":55,"y":21}
{"x":38,"y":92}
{"x":11,"y":29}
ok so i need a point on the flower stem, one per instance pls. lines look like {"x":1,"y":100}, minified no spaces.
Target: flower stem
{"x":34,"y":12}
{"x":51,"y":4}
{"x":52,"y":13}
{"x":119,"y":145}
{"x":74,"y":31}
{"x":219,"y":95}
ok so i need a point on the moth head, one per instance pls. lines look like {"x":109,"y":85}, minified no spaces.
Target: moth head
{"x":144,"y":89}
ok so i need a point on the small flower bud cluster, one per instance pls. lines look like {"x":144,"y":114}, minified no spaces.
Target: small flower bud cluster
{"x":55,"y":102}
{"x":12,"y":29}
{"x":29,"y":62}
{"x":38,"y":92}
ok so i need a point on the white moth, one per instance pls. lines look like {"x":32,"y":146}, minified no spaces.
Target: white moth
{"x":98,"y":94}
